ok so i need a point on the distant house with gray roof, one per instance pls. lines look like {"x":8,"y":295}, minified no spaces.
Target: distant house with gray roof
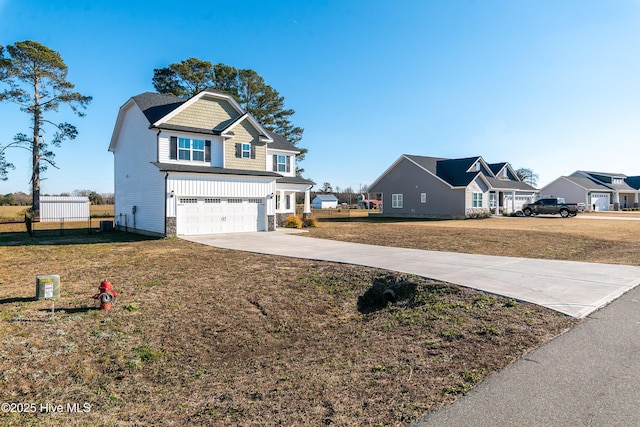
{"x":433,"y":187}
{"x":599,"y":191}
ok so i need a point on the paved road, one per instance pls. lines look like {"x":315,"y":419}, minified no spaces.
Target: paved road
{"x":573,"y":288}
{"x":589,"y":376}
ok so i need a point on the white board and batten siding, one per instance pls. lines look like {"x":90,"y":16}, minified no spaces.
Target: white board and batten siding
{"x":59,"y":208}
{"x":219,"y":204}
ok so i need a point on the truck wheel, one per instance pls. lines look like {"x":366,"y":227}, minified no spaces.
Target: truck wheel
{"x":564,"y":213}
{"x":527,"y":212}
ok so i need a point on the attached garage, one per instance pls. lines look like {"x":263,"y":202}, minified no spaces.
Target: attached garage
{"x":212,"y":215}
{"x":600,"y":201}
{"x":519,"y":201}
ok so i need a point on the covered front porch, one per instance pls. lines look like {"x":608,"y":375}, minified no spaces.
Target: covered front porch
{"x":508,"y":201}
{"x":626,"y":200}
{"x":286,"y":193}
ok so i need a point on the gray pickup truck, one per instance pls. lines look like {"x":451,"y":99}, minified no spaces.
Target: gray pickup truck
{"x":550,"y":206}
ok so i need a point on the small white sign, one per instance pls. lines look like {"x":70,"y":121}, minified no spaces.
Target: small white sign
{"x":48,"y":289}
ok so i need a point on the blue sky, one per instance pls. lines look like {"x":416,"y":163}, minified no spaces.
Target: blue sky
{"x":551,"y":85}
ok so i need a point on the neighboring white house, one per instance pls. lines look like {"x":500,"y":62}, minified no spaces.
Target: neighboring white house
{"x":61,"y":208}
{"x":431,"y":187}
{"x":599,"y":191}
{"x":200,"y":166}
{"x":325,"y":201}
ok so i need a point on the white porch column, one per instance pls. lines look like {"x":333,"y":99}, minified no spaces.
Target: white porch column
{"x":307,"y":201}
{"x":513,"y":201}
{"x":617,"y":200}
{"x":637,"y":200}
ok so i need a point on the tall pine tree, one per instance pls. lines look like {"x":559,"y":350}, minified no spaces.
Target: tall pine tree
{"x":37,"y":80}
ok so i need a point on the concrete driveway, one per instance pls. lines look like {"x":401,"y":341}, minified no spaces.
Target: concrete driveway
{"x":574,"y":288}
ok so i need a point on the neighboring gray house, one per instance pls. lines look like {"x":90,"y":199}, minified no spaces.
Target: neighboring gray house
{"x":431,"y":187}
{"x":599,"y":191}
{"x":325,"y":201}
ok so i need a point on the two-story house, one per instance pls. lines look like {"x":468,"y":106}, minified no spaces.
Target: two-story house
{"x":200,"y":166}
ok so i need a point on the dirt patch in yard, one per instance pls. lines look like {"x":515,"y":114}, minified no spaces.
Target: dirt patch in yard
{"x":204,"y":336}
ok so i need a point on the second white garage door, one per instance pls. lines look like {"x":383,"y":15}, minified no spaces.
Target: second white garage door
{"x":197,"y":215}
{"x":600,"y":201}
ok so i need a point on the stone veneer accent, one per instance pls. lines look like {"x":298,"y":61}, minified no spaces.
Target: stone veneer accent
{"x":171,"y":227}
{"x":282,"y":217}
{"x":271,"y":223}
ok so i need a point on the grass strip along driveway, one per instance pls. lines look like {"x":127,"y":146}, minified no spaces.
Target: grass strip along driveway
{"x":206,"y":336}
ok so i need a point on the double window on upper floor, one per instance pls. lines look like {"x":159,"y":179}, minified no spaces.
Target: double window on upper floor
{"x":189,"y":149}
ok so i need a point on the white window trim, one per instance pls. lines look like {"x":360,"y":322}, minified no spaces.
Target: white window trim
{"x":282,"y":163}
{"x":245,"y":150}
{"x":190,"y":149}
{"x":396,"y":201}
{"x":476,"y":200}
{"x":423,"y":197}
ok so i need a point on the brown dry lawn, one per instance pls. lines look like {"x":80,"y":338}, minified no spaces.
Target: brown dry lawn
{"x":576,"y":239}
{"x":204,"y":336}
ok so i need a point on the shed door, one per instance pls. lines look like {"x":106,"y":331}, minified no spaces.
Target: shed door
{"x":600,"y":201}
{"x":198,"y":215}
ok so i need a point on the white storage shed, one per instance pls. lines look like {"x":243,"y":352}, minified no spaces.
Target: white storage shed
{"x":61,"y":208}
{"x":325,"y":201}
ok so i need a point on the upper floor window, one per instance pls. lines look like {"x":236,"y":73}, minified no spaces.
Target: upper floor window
{"x":282,"y":163}
{"x":189,"y":149}
{"x":246,"y":151}
{"x":617,"y":180}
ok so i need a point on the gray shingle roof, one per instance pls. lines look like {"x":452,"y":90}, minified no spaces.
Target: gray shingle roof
{"x":295,"y":180}
{"x":633,"y":182}
{"x":496,"y":167}
{"x":454,"y":172}
{"x":155,"y":106}
{"x":508,"y":184}
{"x":326,"y":197}
{"x":172,"y":167}
{"x":587,"y":183}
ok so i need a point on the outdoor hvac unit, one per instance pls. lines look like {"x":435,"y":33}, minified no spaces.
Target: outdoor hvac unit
{"x":106,"y":225}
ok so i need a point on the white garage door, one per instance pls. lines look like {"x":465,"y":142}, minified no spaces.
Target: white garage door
{"x":197,"y":215}
{"x":520,"y":200}
{"x":600,"y":201}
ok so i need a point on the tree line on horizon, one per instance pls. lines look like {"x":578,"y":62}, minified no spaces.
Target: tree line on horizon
{"x":21,"y":198}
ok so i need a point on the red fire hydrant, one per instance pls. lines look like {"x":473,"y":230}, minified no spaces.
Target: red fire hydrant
{"x":106,"y":296}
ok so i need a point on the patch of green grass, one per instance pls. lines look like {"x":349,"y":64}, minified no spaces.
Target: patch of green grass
{"x":145,"y":355}
{"x":132,"y":307}
{"x":491,"y":330}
